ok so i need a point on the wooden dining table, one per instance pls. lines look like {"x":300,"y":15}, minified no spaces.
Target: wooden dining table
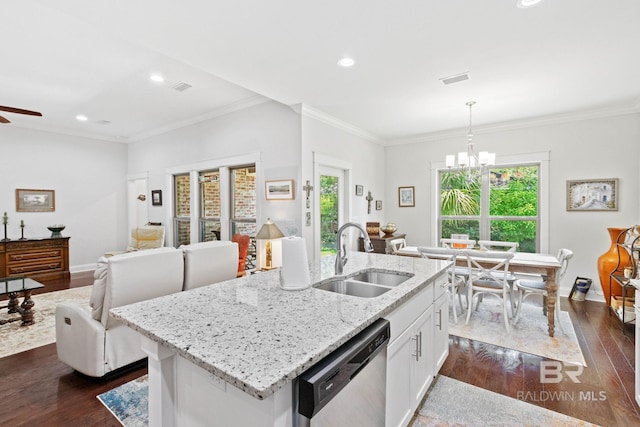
{"x":522,"y":262}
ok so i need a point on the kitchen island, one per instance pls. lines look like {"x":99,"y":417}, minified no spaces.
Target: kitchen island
{"x":227,"y":354}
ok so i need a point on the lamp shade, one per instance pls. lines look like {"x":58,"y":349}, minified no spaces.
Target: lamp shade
{"x":269,"y":231}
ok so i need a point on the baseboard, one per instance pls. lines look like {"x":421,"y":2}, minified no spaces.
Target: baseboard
{"x":82,"y":268}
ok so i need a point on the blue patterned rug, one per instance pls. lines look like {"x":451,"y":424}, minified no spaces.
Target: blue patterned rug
{"x":442,"y":407}
{"x":129,"y":402}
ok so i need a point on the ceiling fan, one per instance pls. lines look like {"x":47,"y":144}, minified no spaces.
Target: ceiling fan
{"x":17,"y":111}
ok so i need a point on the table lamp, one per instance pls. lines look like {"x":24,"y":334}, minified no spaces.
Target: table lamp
{"x":267,"y":233}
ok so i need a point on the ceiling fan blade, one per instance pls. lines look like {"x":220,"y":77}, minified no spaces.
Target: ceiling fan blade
{"x":20,"y":111}
{"x":3,"y":120}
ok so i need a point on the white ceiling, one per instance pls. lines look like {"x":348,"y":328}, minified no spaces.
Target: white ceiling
{"x":72,"y":57}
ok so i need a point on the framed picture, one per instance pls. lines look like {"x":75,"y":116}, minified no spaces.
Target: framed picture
{"x":156,"y":197}
{"x":592,"y":195}
{"x":359,"y":190}
{"x":378,"y":205}
{"x":406,"y":197}
{"x":35,"y":200}
{"x":279,"y":190}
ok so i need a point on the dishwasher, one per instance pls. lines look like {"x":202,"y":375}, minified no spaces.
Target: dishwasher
{"x":347,"y":387}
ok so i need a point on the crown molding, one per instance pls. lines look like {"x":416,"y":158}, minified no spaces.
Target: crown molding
{"x":574,"y":116}
{"x":320,"y":116}
{"x":226,"y":109}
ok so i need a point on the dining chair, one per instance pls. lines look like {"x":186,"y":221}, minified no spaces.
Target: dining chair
{"x":488,"y":275}
{"x":492,"y":245}
{"x":455,"y":283}
{"x":454,"y":243}
{"x":396,"y":244}
{"x":527,"y":288}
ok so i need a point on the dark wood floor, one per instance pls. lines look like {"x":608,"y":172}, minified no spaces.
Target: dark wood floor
{"x":38,"y":390}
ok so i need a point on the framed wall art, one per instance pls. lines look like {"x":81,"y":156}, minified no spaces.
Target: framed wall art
{"x":592,"y":194}
{"x":35,"y":200}
{"x":359,"y":190}
{"x":406,"y":197}
{"x":156,"y":197}
{"x":279,"y":190}
{"x":378,"y":205}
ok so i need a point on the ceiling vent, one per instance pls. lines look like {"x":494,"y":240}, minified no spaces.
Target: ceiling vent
{"x":455,"y":78}
{"x":103,"y":122}
{"x":181,"y":86}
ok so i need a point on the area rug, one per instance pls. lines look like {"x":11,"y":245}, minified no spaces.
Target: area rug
{"x":129,"y":404}
{"x":16,"y":338}
{"x":481,"y":407}
{"x":529,"y":335}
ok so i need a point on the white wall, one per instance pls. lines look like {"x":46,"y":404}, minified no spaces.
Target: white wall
{"x":597,"y":148}
{"x":367,"y":161}
{"x":270,"y":129}
{"x":89,"y":179}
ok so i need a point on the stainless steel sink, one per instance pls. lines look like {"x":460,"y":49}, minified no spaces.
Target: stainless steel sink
{"x":384,"y":278}
{"x":352,"y":287}
{"x":365,"y":284}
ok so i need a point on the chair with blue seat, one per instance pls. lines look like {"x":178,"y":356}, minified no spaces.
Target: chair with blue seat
{"x":526,"y":288}
{"x":488,"y":275}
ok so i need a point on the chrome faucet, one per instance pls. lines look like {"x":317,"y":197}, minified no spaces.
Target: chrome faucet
{"x":341,"y":259}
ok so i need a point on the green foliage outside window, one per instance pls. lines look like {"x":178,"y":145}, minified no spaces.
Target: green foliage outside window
{"x":513,"y":197}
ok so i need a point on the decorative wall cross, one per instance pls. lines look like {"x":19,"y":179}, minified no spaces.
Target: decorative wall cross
{"x":369,"y":199}
{"x":308,"y":188}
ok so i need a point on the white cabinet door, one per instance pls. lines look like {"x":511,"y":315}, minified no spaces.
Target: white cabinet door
{"x":441,"y":334}
{"x":422,"y":375}
{"x":399,"y":411}
{"x":409,"y":369}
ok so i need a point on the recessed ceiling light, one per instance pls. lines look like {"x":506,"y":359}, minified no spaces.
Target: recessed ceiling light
{"x":156,"y":78}
{"x":81,"y":117}
{"x":346,"y":62}
{"x":523,"y":4}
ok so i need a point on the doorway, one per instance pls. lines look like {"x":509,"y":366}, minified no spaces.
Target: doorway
{"x":331,"y":182}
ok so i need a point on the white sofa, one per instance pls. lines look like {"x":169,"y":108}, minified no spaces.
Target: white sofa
{"x":91,"y":342}
{"x":209,"y":262}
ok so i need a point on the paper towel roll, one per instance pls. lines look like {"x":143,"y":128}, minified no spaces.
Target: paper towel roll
{"x":294,"y":273}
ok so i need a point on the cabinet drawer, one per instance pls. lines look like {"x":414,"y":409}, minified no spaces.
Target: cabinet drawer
{"x":441,"y":285}
{"x":35,"y":255}
{"x":402,"y":317}
{"x":35,"y":267}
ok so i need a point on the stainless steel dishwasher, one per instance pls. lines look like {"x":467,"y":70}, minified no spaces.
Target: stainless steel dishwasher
{"x":347,"y":387}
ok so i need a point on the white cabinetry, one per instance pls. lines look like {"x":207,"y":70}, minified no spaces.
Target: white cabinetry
{"x":411,"y":363}
{"x":441,"y":328}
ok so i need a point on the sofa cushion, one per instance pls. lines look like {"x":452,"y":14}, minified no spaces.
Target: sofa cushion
{"x":206,"y":263}
{"x":96,"y":300}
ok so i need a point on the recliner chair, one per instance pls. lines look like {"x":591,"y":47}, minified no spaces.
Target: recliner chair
{"x":145,"y":237}
{"x":93,"y":343}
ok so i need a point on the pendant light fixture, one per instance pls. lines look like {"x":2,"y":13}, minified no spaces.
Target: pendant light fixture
{"x":469,"y":159}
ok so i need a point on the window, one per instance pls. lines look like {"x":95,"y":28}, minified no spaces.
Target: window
{"x":243,"y":205}
{"x":209,"y":205}
{"x":182,"y":210}
{"x":501,"y":204}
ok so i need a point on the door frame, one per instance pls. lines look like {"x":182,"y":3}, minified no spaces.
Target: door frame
{"x":321,"y":160}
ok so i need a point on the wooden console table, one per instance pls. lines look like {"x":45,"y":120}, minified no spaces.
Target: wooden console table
{"x":39,"y":259}
{"x":380,"y":244}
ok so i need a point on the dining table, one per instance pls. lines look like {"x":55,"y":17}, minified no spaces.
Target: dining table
{"x":522,"y":262}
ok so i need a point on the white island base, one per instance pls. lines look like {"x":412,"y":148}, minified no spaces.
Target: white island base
{"x":183,"y":394}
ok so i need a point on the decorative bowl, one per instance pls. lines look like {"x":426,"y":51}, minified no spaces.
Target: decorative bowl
{"x":390,"y":228}
{"x":56,"y":229}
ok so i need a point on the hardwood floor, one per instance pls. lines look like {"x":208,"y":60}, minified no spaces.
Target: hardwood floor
{"x":605,"y":392}
{"x":38,"y":390}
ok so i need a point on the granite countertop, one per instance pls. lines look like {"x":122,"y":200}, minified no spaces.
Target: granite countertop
{"x":256,"y":336}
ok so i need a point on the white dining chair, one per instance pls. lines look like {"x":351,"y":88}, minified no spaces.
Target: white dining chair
{"x":492,"y":245}
{"x":488,"y":275}
{"x":526,"y":288}
{"x":455,"y":284}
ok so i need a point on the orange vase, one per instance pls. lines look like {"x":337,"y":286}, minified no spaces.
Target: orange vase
{"x":610,"y":260}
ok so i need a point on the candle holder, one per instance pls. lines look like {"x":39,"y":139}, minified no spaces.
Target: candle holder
{"x":5,"y":233}
{"x":22,"y":231}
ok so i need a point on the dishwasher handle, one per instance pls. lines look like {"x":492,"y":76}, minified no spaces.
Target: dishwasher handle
{"x":323,"y":381}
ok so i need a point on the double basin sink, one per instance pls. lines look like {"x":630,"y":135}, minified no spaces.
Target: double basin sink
{"x":367,"y":283}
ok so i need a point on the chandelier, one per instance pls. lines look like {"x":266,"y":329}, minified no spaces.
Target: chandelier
{"x":469,"y":159}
